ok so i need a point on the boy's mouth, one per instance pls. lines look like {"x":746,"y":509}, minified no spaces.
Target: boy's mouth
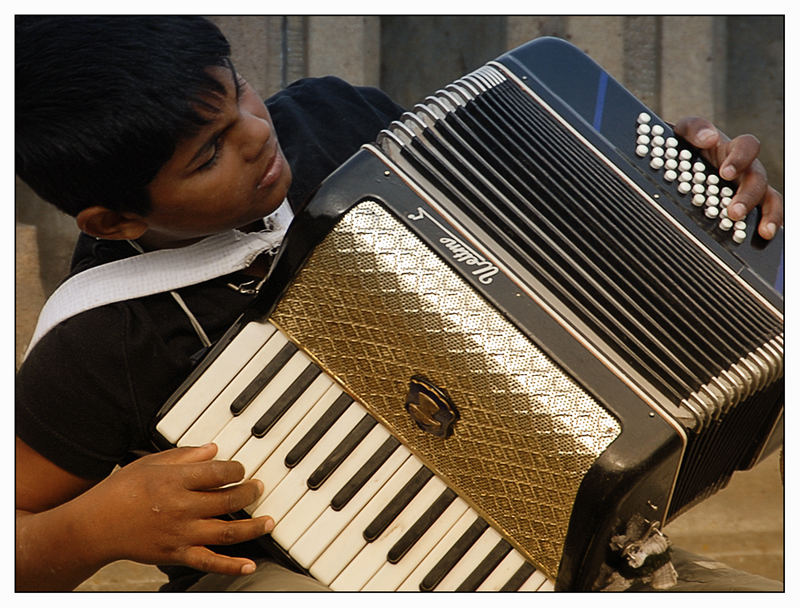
{"x":273,"y":170}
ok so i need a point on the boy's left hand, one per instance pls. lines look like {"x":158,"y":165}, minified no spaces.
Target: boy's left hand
{"x":737,"y":160}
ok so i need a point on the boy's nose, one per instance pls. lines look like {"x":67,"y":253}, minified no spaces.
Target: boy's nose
{"x":256,"y":138}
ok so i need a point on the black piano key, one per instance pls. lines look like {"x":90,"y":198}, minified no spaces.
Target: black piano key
{"x":262,"y":379}
{"x":315,"y":433}
{"x":341,"y":451}
{"x":286,"y":400}
{"x":520,"y":576}
{"x":456,"y":552}
{"x":367,"y":470}
{"x":485,"y":568}
{"x":397,"y":504}
{"x":415,"y":532}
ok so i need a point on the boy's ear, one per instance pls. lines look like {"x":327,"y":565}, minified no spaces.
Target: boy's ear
{"x":108,"y":224}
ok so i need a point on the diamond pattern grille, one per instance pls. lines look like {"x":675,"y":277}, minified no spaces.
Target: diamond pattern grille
{"x":374,"y":306}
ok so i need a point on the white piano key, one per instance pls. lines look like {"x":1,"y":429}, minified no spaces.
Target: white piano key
{"x":327,"y":526}
{"x":314,"y":503}
{"x":472,"y":558}
{"x":351,"y":540}
{"x":537,"y":582}
{"x":373,"y":555}
{"x":273,"y":469}
{"x":257,"y":449}
{"x":234,"y":435}
{"x":390,"y":576}
{"x":292,"y":487}
{"x":503,"y":572}
{"x":218,"y":413}
{"x":219,"y":373}
{"x":448,"y":540}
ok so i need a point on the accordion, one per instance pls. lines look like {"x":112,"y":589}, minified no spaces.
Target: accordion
{"x":496,"y":337}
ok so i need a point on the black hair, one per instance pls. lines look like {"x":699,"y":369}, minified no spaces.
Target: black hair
{"x":101,"y":102}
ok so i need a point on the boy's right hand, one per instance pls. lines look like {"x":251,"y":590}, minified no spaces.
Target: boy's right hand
{"x":163,"y":509}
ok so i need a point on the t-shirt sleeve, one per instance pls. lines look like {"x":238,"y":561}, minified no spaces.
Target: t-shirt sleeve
{"x":76,"y":397}
{"x":322,"y":122}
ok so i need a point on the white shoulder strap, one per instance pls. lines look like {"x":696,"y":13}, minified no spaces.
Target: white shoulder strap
{"x":161,"y":271}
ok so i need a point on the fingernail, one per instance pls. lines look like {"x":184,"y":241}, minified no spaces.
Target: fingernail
{"x":769,"y":230}
{"x":260,"y":486}
{"x":269,"y":524}
{"x":248,"y":568}
{"x":728,"y":172}
{"x":737,"y":211}
{"x":705,"y":135}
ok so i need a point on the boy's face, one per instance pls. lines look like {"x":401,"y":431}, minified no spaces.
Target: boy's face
{"x":230,"y":174}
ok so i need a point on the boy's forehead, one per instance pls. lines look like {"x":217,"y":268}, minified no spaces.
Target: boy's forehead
{"x":227,"y":78}
{"x":214,"y":111}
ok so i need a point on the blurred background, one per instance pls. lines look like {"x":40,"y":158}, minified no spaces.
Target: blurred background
{"x":729,"y":69}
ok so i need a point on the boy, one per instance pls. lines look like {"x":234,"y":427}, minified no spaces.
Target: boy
{"x":142,"y":130}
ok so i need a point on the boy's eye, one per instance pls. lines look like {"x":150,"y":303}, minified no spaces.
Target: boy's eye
{"x":217,"y":152}
{"x":240,"y":83}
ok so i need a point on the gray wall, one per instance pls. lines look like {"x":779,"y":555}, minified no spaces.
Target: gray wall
{"x":728,"y":69}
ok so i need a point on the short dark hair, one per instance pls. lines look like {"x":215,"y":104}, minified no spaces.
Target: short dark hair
{"x":101,"y":102}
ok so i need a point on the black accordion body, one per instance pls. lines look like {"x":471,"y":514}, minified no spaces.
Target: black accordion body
{"x":496,"y":337}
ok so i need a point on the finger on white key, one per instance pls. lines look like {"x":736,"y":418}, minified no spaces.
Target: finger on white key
{"x":291,"y":489}
{"x":391,"y":575}
{"x":465,"y":522}
{"x":330,"y":524}
{"x":472,"y":558}
{"x":350,"y":541}
{"x":256,"y":450}
{"x":234,"y":435}
{"x":504,"y":571}
{"x":274,"y":468}
{"x":373,"y":555}
{"x":313,"y":504}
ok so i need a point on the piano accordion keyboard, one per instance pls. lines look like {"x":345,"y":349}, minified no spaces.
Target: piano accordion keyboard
{"x":352,"y":505}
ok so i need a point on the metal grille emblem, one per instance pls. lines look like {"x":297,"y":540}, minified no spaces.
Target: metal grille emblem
{"x":430,"y":407}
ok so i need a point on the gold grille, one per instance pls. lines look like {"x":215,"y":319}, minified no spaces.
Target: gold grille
{"x":375,"y":306}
